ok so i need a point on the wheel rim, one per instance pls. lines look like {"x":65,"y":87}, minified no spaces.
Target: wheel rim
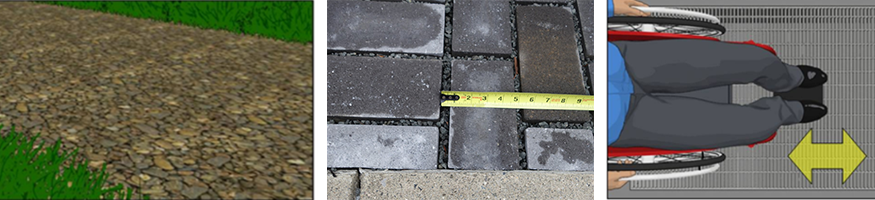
{"x":665,"y":28}
{"x":668,"y":161}
{"x":670,"y":158}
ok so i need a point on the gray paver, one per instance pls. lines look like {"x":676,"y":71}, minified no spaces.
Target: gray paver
{"x":559,"y":149}
{"x":481,"y":27}
{"x":344,"y":186}
{"x":386,"y":27}
{"x":366,"y":87}
{"x":585,"y":12}
{"x":444,"y":184}
{"x":383,"y":147}
{"x":548,"y":59}
{"x":483,"y":138}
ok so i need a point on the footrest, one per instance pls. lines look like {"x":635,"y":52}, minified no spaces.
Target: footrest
{"x":798,"y":94}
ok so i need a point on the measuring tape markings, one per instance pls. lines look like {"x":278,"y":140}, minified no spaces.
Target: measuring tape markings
{"x":518,"y":100}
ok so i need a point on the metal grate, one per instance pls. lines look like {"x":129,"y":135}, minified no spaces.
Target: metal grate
{"x":841,"y":41}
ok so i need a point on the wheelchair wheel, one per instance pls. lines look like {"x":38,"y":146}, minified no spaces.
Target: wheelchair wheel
{"x":665,"y":25}
{"x":662,"y":162}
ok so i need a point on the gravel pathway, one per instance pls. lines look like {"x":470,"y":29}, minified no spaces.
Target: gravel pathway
{"x":178,"y":111}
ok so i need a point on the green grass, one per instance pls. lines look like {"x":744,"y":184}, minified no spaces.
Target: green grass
{"x":31,"y":173}
{"x":284,"y":20}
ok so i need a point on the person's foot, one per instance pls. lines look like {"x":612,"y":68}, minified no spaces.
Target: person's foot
{"x":812,"y":111}
{"x":811,"y":76}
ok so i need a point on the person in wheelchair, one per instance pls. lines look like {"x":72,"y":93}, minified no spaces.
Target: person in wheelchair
{"x":638,"y":69}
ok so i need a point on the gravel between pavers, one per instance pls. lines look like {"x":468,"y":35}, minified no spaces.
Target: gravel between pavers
{"x":176,"y":111}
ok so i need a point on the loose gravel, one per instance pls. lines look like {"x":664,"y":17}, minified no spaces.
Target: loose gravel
{"x":174,"y":111}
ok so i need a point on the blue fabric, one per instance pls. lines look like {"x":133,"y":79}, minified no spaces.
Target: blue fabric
{"x":619,"y":88}
{"x":610,"y":8}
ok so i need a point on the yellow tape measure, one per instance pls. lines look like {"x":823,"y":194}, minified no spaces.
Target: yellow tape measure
{"x":516,"y":100}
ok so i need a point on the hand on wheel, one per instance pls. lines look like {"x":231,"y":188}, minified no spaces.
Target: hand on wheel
{"x":624,"y":7}
{"x":614,"y":177}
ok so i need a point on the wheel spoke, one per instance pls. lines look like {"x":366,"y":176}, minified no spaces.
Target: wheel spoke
{"x":665,"y":28}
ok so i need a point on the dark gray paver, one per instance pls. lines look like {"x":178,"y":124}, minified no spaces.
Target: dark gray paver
{"x":548,"y":59}
{"x":344,"y":186}
{"x":481,"y":27}
{"x":475,"y":184}
{"x":383,"y":147}
{"x":559,"y":149}
{"x":386,"y":27}
{"x":585,"y":12}
{"x":367,"y":87}
{"x":483,"y":138}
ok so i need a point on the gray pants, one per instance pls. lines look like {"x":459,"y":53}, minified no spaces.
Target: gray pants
{"x":678,"y":123}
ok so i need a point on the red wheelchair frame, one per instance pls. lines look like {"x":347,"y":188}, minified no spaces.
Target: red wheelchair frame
{"x":645,"y":36}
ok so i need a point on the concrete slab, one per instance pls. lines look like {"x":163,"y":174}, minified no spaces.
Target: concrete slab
{"x":344,"y":186}
{"x":548,"y":59}
{"x":481,"y":28}
{"x":446,"y":184}
{"x":364,"y":87}
{"x":386,"y":27}
{"x":483,"y":138}
{"x":559,"y":149}
{"x":382,"y":147}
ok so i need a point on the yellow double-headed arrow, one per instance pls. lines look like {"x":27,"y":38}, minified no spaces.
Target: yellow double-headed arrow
{"x":846,"y":156}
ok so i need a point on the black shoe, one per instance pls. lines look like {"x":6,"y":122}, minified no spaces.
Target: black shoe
{"x":811,"y":76}
{"x":812,"y":111}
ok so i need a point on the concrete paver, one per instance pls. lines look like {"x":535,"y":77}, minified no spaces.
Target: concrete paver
{"x":365,"y":87}
{"x":384,"y":147}
{"x":481,"y":28}
{"x":442,"y":184}
{"x":386,"y":27}
{"x":548,"y":59}
{"x":483,"y":138}
{"x":585,"y":12}
{"x":559,"y":149}
{"x":344,"y":186}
